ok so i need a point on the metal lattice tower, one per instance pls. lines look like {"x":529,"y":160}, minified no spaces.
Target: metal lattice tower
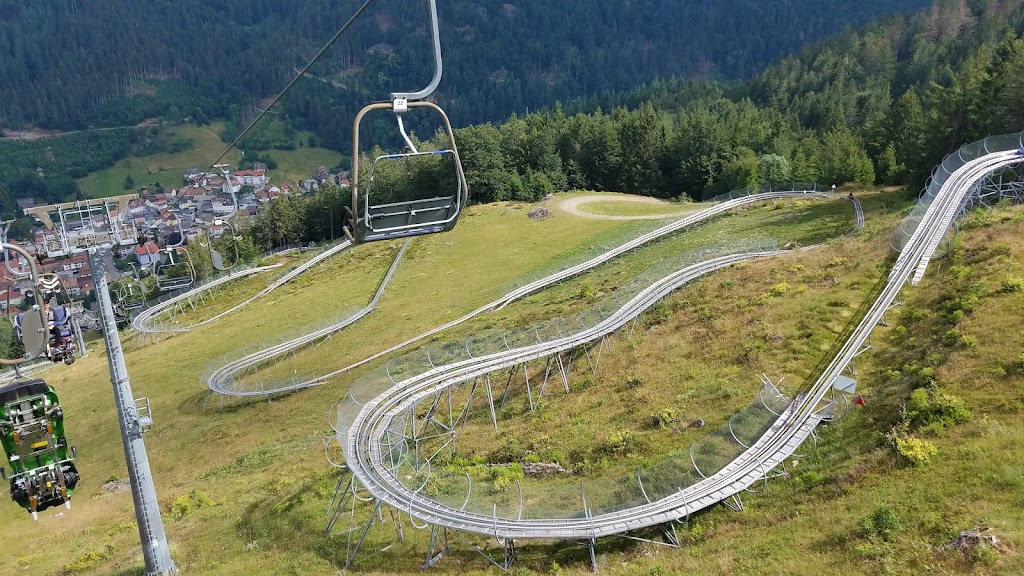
{"x":98,"y":227}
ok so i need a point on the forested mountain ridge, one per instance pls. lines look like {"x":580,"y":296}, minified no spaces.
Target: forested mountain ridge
{"x":71,"y":64}
{"x":880,"y":105}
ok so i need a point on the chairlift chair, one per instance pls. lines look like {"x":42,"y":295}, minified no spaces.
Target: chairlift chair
{"x":132,"y":296}
{"x":216,"y":258}
{"x":369,"y":219}
{"x":31,"y":325}
{"x":61,"y":345}
{"x":175,"y":275}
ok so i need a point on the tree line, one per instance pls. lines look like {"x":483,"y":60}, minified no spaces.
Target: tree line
{"x":72,"y":65}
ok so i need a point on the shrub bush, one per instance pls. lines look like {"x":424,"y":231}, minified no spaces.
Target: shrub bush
{"x":1013,"y":284}
{"x":508,"y":452}
{"x":618,"y":442}
{"x":909,"y":450}
{"x":882,"y":522}
{"x":664,"y":418}
{"x":936,"y":409}
{"x":634,"y":381}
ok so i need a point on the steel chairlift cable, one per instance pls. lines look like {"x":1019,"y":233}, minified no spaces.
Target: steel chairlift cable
{"x":300,"y":74}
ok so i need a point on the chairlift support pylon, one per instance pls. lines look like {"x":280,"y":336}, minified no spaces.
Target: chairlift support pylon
{"x":384,"y":221}
{"x":113,"y":232}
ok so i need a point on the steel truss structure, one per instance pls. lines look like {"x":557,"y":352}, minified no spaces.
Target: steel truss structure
{"x":396,"y":420}
{"x":430,"y":397}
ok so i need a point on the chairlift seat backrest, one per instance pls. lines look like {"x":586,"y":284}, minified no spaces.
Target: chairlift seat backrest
{"x":61,"y":320}
{"x":410,"y":217}
{"x":60,"y":315}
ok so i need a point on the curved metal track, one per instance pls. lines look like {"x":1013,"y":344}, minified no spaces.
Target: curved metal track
{"x":368,"y":439}
{"x":147,"y":321}
{"x":222,"y":378}
{"x":223,"y":388}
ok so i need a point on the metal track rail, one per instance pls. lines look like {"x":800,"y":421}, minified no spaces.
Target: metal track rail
{"x":222,"y":379}
{"x":363,"y":439}
{"x":540,"y":284}
{"x":147,"y":321}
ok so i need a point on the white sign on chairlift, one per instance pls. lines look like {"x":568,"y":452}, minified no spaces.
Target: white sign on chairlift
{"x":401,"y":105}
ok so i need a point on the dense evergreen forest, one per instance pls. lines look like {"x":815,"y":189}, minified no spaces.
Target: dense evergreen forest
{"x":69,"y":64}
{"x":881,"y":105}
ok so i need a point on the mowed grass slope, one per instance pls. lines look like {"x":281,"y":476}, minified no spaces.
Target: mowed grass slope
{"x":244,"y":490}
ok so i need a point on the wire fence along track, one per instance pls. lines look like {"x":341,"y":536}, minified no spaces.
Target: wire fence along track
{"x":368,"y":438}
{"x":148,"y":321}
{"x":738,"y":200}
{"x":380,"y":407}
{"x":224,"y":376}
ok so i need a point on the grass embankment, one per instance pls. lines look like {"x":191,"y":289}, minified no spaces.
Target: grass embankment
{"x":934,"y":452}
{"x":244,"y":490}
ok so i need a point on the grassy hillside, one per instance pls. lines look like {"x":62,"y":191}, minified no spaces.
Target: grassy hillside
{"x":244,"y":490}
{"x":168,"y":169}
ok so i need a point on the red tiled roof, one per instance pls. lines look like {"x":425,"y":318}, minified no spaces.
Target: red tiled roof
{"x":148,"y":248}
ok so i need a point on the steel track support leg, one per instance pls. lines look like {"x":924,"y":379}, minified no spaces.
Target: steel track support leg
{"x":510,"y":553}
{"x":338,"y":501}
{"x":529,"y":393}
{"x":439,"y":542}
{"x":508,"y":385}
{"x":736,"y":504}
{"x":563,"y":372}
{"x":668,"y":532}
{"x":490,"y":401}
{"x":366,"y":530}
{"x":547,"y":374}
{"x":396,"y":518}
{"x":469,"y":402}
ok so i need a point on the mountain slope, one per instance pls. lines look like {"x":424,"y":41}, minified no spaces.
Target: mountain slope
{"x":72,"y":64}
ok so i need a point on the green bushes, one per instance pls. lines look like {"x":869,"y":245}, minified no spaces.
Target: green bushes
{"x":935,"y":410}
{"x":909,"y":450}
{"x":509,"y":451}
{"x":620,"y":442}
{"x":1013,"y":284}
{"x":504,"y":476}
{"x":184,"y":505}
{"x":664,"y":418}
{"x":634,"y":381}
{"x":882,"y":523}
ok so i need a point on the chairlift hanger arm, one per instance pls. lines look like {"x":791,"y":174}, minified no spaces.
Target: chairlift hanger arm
{"x":34,"y":272}
{"x":436,"y":37}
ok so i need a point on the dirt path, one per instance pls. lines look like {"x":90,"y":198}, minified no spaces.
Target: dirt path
{"x":573,"y":204}
{"x":39,"y":133}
